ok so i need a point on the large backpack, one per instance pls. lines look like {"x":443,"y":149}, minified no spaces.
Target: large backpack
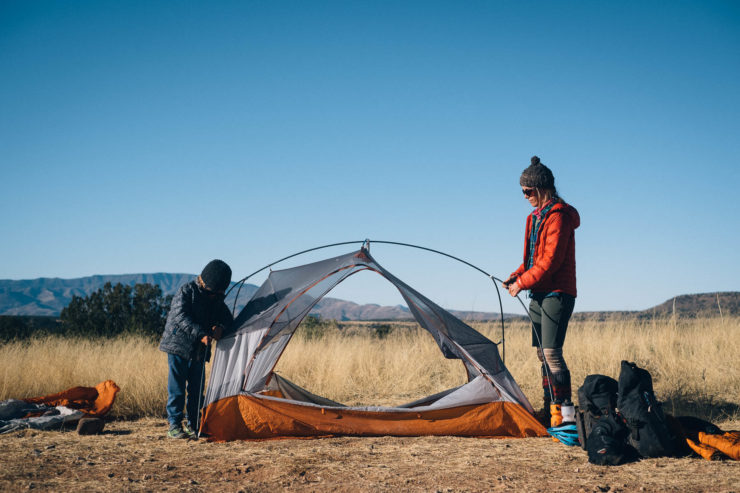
{"x":649,"y":434}
{"x":606,"y":442}
{"x":597,"y":398}
{"x":601,"y":431}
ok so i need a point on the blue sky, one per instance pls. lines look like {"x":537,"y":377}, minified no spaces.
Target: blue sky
{"x":154,"y":136}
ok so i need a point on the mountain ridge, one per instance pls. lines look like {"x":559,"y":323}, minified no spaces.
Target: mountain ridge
{"x":47,"y":296}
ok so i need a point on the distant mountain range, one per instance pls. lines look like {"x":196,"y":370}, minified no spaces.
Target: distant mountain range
{"x":335,"y":309}
{"x":48,"y":296}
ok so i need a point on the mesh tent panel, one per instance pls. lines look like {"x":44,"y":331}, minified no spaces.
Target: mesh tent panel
{"x":287,"y":296}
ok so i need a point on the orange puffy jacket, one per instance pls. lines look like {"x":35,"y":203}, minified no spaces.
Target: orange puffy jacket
{"x":554,"y":268}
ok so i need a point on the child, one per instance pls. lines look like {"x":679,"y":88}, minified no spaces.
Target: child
{"x":197,"y":315}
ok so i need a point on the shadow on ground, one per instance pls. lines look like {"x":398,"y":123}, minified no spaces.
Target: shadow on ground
{"x":705,"y":407}
{"x":116,"y":432}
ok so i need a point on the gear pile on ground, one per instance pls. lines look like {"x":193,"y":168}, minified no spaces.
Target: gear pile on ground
{"x":82,"y":405}
{"x":622,"y":421}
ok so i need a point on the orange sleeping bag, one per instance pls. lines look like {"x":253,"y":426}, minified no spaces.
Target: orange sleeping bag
{"x":95,"y":401}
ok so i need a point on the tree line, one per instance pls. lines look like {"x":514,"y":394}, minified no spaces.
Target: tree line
{"x":108,"y":312}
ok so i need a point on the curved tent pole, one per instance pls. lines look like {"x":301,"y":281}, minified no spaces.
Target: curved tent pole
{"x":241,"y":281}
{"x":490,"y":276}
{"x":367,"y":242}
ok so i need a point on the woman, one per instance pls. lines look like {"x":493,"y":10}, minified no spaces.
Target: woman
{"x":549,"y":273}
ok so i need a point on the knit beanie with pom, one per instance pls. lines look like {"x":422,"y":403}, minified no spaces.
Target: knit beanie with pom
{"x":537,"y":175}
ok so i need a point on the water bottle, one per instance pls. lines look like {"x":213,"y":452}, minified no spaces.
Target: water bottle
{"x":556,"y":415}
{"x":568,"y":412}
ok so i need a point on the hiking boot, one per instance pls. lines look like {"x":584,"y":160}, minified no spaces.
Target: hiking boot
{"x":191,"y":433}
{"x":176,"y":431}
{"x":543,"y":416}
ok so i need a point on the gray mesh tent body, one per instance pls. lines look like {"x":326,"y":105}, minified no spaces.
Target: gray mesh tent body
{"x":245,"y":399}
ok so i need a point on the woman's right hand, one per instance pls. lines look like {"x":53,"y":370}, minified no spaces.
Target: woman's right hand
{"x":514,"y":288}
{"x":508,"y":282}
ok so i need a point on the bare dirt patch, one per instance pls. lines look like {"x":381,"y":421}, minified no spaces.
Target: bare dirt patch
{"x":136,"y":456}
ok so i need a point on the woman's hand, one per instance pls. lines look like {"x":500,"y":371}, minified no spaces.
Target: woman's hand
{"x":514,"y":288}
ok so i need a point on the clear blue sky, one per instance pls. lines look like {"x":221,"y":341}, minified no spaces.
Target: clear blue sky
{"x":153,"y":136}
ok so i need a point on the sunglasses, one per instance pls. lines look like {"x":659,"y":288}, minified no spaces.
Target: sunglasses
{"x":528,"y":192}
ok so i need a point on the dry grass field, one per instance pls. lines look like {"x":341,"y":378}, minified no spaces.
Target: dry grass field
{"x":694,"y":363}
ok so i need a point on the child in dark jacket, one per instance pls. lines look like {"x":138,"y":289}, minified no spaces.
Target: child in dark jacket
{"x":197,"y":315}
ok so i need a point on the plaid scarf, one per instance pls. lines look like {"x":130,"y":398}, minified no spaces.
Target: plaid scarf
{"x":538,"y":217}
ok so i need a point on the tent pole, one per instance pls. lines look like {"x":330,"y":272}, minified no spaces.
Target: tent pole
{"x":503,"y":330}
{"x":201,"y":389}
{"x":240,"y":282}
{"x":367,"y":242}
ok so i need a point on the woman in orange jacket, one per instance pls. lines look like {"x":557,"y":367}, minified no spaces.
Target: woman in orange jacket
{"x":549,"y":273}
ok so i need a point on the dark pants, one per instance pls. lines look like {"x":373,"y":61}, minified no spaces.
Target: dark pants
{"x":550,"y":316}
{"x":185,"y":375}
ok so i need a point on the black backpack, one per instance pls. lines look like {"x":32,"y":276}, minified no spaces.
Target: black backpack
{"x":650,"y":433}
{"x":606,"y":442}
{"x":597,"y":398}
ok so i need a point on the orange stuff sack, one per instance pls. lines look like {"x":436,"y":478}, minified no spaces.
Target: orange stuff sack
{"x":709,"y":453}
{"x":728,"y":442}
{"x":95,"y":401}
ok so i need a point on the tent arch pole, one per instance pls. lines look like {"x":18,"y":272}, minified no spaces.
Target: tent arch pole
{"x":368,"y":242}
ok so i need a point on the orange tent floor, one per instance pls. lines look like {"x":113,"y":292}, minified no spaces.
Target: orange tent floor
{"x":251,"y":417}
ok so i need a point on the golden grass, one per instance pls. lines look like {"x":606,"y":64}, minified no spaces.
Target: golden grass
{"x":51,"y":364}
{"x":694,"y":363}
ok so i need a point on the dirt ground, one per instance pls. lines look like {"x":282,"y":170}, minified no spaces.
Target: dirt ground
{"x":136,"y":456}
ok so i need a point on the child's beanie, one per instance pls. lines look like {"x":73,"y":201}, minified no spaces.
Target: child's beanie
{"x":216,"y":275}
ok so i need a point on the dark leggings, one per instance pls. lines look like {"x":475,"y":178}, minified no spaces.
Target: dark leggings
{"x":550,"y":316}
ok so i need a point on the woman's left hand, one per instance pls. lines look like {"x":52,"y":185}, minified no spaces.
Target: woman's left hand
{"x":514,"y":288}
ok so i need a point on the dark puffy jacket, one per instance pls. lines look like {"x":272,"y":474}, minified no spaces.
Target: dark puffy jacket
{"x":192,"y":315}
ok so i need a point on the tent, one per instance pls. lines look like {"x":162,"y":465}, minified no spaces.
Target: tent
{"x":246,"y":400}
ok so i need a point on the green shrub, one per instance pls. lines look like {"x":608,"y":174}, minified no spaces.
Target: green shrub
{"x":381,"y":331}
{"x":115,"y":310}
{"x":314,"y":327}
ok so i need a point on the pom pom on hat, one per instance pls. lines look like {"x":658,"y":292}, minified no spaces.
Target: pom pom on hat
{"x":537,"y":175}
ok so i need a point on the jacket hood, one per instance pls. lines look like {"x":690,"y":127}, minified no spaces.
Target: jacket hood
{"x":569,"y":211}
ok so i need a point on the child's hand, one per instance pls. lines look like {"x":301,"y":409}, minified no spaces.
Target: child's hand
{"x":217,"y":332}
